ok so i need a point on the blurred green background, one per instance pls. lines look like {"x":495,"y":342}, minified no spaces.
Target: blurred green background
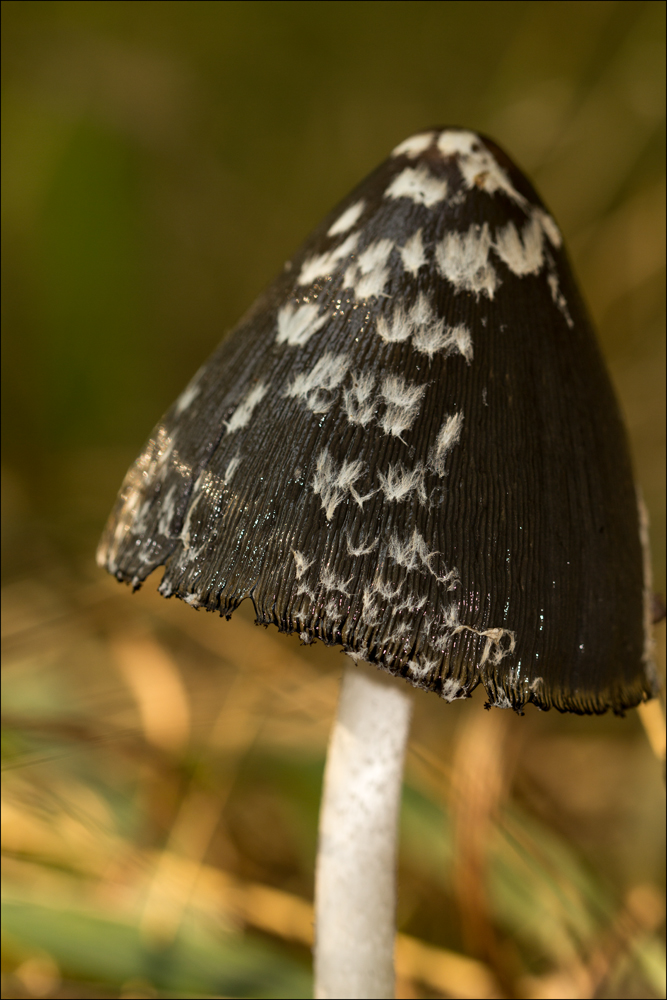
{"x":161,"y":160}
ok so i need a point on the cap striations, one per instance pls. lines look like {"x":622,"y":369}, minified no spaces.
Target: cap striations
{"x":410,"y":447}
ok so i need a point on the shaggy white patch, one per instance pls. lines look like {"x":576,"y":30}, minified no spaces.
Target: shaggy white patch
{"x":415,"y":145}
{"x":348,"y":219}
{"x":477,"y":164}
{"x":297,"y":325}
{"x":189,"y":394}
{"x":423,"y":668}
{"x":360,"y":550}
{"x":396,"y":329}
{"x":232,"y":466}
{"x":333,"y":483}
{"x":414,"y":552}
{"x":167,"y":508}
{"x":313,"y":388}
{"x":448,"y":436}
{"x":402,"y":399}
{"x":419,"y":185}
{"x":399,"y":483}
{"x":412,"y":253}
{"x":369,"y":273}
{"x":243,"y":412}
{"x":301,"y":563}
{"x":429,"y":334}
{"x":500,"y":642}
{"x":326,"y":263}
{"x":522,"y":252}
{"x":452,"y":689}
{"x":358,"y":401}
{"x":549,"y":227}
{"x":331,"y":581}
{"x":463,"y":258}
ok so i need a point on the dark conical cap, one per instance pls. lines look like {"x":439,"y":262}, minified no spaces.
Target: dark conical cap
{"x":410,"y":447}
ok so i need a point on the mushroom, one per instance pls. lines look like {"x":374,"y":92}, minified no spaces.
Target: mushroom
{"x":408,"y":447}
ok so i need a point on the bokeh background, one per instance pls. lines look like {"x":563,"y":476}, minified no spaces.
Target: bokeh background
{"x":162,"y":768}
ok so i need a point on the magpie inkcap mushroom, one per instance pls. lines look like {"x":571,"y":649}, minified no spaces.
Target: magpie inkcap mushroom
{"x":410,"y":447}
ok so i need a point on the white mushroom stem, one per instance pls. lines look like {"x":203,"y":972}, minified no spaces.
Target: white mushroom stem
{"x":355,"y":882}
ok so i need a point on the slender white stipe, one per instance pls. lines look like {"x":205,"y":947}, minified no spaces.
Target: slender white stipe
{"x":355,"y":882}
